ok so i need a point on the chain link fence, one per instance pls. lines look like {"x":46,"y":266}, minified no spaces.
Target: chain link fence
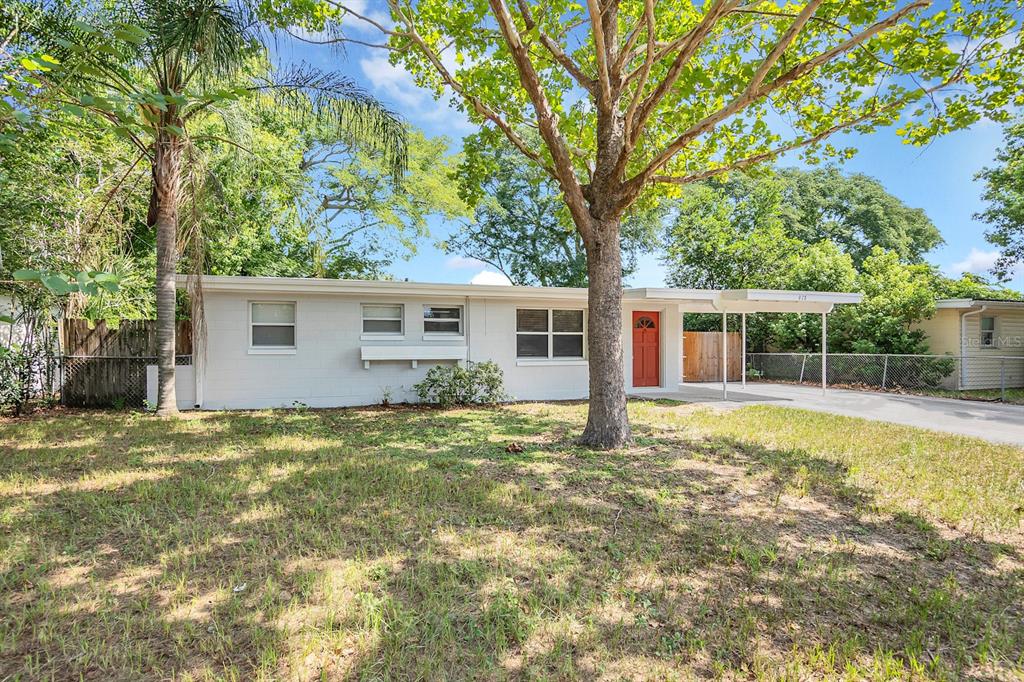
{"x":981,"y":377}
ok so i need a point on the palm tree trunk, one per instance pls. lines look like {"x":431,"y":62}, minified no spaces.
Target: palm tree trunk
{"x":166,"y":185}
{"x":607,"y":421}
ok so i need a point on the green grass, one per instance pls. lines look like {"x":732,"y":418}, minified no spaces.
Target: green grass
{"x":760,"y":543}
{"x":1013,"y":396}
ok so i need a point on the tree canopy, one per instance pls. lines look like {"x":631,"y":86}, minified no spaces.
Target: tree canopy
{"x":1004,"y":193}
{"x":731,"y":233}
{"x":521,"y":226}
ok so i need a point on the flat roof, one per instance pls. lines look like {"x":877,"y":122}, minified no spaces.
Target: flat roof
{"x":963,"y":303}
{"x":695,"y":300}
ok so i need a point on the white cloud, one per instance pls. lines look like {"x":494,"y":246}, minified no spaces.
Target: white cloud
{"x":460,"y":262}
{"x":977,"y":262}
{"x":395,"y":83}
{"x":490,"y":277}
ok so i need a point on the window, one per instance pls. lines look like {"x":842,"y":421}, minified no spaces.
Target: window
{"x":382,"y":318}
{"x":272,"y":325}
{"x":442,"y":319}
{"x":542,"y":333}
{"x":988,"y":332}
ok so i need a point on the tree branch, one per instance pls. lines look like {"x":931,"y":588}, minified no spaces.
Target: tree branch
{"x":780,"y":47}
{"x":795,"y":144}
{"x":645,"y":72}
{"x":477,"y":104}
{"x":690,"y":43}
{"x":555,"y":50}
{"x":751,"y":95}
{"x":604,"y":102}
{"x":546,"y":119}
{"x":362,"y":17}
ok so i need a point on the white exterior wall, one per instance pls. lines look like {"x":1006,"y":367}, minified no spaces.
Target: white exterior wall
{"x":184,"y":386}
{"x":326,"y":369}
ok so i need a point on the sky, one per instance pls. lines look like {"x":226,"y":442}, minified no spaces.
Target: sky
{"x":939,"y":178}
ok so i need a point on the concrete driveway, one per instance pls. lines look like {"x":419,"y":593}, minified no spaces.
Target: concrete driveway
{"x":992,"y":421}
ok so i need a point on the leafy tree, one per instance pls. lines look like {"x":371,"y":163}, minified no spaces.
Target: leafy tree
{"x":895,"y":296}
{"x":153,"y":69}
{"x":853,"y":211}
{"x":634,"y":99}
{"x":856,"y":212}
{"x":1004,"y":193}
{"x":522,"y":227}
{"x":970,"y":285}
{"x":720,"y":242}
{"x":366,"y":210}
{"x":60,"y":211}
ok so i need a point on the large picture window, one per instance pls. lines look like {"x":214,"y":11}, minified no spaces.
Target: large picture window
{"x":271,"y":325}
{"x":442,"y":319}
{"x":549,"y":333}
{"x":382,"y":318}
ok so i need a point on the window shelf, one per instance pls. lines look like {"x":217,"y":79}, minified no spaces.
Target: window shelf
{"x":413,"y":354}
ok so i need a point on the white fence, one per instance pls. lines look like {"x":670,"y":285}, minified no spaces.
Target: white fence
{"x":993,"y":376}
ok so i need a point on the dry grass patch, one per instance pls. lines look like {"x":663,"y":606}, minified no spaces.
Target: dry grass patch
{"x":410,"y":544}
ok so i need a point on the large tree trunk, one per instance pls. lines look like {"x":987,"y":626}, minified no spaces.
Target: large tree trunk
{"x":166,"y":185}
{"x":607,"y":421}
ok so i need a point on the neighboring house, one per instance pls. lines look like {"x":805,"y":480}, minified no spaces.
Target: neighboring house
{"x":273,"y":342}
{"x":989,"y":334}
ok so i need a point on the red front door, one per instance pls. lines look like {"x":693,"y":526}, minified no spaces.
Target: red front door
{"x":646,"y":339}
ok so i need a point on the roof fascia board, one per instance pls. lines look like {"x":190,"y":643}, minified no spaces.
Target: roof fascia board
{"x":290,"y":285}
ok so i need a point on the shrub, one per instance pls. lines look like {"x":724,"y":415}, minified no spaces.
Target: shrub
{"x":447,"y":385}
{"x":21,"y":368}
{"x":11,"y":372}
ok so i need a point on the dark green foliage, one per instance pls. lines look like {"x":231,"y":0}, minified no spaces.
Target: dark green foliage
{"x":729,"y":233}
{"x":522,"y":227}
{"x":1004,"y":192}
{"x":477,"y":383}
{"x":814,"y":231}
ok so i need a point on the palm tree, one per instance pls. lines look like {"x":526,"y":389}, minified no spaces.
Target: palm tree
{"x":152,"y":68}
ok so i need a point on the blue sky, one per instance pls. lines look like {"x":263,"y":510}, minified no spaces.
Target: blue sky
{"x":938,"y":179}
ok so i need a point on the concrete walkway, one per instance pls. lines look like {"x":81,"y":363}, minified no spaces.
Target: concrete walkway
{"x":991,"y":421}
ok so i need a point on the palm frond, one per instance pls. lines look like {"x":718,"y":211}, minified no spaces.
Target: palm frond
{"x":316,"y":96}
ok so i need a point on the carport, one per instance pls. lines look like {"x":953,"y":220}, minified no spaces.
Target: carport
{"x":743,"y":302}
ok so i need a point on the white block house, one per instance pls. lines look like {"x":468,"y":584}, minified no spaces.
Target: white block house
{"x":278,"y":342}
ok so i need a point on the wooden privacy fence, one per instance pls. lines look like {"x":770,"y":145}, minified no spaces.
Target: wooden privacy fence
{"x":102,"y":366}
{"x":702,"y":356}
{"x":131,"y":339}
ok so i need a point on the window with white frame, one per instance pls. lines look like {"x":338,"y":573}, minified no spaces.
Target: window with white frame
{"x":988,"y":332}
{"x":383,"y":318}
{"x":272,"y":324}
{"x":438,"y":319}
{"x":549,"y":333}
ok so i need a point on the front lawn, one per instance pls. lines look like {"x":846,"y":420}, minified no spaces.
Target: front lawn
{"x":481,"y":544}
{"x":1013,"y":396}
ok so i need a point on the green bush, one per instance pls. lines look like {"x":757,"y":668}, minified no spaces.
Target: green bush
{"x":11,"y":373}
{"x":18,"y":367}
{"x":447,"y":385}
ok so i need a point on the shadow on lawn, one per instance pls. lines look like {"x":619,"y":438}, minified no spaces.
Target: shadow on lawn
{"x":410,"y":544}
